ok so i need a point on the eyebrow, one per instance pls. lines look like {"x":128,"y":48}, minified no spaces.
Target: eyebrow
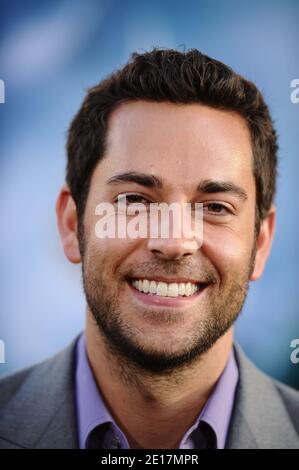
{"x":144,"y":179}
{"x":205,"y":186}
{"x":211,"y":186}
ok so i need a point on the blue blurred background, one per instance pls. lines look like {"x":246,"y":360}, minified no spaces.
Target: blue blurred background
{"x":50,"y":53}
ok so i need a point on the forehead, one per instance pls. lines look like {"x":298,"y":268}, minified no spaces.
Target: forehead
{"x":181,"y":143}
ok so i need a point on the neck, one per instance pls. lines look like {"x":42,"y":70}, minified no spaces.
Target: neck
{"x":154,"y":411}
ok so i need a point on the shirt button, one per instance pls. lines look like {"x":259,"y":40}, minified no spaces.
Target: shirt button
{"x":116,"y":444}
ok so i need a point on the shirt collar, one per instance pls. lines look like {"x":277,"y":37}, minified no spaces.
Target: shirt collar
{"x":218,"y":408}
{"x":92,"y":411}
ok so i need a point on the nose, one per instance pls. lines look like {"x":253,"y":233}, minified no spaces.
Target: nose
{"x":179,"y":237}
{"x":172,"y":248}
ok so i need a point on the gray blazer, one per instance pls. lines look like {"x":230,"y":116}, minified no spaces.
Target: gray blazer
{"x":38,"y":409}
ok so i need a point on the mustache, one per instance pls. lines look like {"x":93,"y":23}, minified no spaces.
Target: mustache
{"x":173,"y":268}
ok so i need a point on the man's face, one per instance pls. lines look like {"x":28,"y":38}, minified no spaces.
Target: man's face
{"x":183,"y":146}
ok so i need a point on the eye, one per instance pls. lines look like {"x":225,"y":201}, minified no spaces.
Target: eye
{"x":131,"y":198}
{"x":216,"y":208}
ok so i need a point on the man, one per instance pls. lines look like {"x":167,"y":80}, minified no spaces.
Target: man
{"x":157,"y":366}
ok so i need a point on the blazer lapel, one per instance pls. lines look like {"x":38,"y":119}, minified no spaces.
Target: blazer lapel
{"x":259,"y":419}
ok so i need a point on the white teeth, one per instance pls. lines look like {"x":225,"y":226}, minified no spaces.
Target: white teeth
{"x":188,"y":289}
{"x":173,"y":289}
{"x":182,"y":288}
{"x":153,"y":287}
{"x":146,"y":286}
{"x":164,"y":289}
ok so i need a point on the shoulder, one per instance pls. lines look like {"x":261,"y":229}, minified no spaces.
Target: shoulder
{"x":290,"y":397}
{"x":10,"y":384}
{"x":266,"y":411}
{"x":60,"y":365}
{"x":30,"y":398}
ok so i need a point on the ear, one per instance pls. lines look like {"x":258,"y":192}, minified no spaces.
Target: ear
{"x":67,"y":224}
{"x":264,"y":243}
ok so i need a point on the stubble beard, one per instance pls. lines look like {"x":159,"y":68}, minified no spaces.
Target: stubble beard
{"x":120,"y":342}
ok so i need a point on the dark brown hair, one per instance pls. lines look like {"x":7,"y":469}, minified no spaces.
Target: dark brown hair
{"x":177,"y":77}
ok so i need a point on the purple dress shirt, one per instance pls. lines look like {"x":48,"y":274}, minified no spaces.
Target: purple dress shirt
{"x":97,"y":428}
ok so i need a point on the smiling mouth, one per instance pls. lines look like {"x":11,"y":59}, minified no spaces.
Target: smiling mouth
{"x":167,"y":289}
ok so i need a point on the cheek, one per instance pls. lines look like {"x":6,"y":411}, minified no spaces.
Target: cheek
{"x":109,"y":254}
{"x":227,"y":249}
